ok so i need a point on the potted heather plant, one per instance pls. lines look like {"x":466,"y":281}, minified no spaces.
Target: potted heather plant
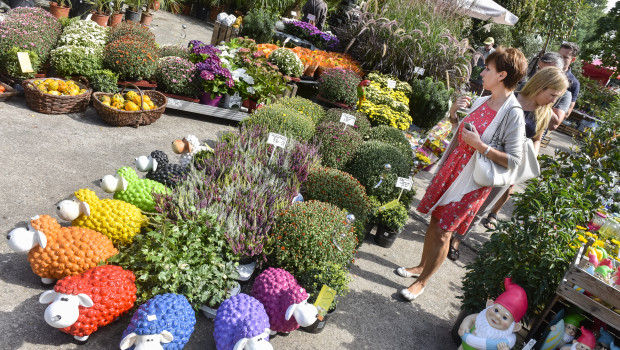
{"x":338,"y":88}
{"x":391,"y":218}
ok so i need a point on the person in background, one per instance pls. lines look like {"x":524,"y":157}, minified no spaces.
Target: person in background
{"x":453,"y":198}
{"x":487,"y":49}
{"x":569,"y":52}
{"x":562,"y":105}
{"x":317,"y":8}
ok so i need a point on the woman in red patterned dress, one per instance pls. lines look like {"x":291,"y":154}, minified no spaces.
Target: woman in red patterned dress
{"x":453,"y":198}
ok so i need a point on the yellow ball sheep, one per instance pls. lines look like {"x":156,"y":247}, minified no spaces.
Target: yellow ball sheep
{"x":118,"y":220}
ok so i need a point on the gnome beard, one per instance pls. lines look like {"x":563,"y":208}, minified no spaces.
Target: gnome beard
{"x":574,"y":346}
{"x":485,"y":330}
{"x":568,"y":338}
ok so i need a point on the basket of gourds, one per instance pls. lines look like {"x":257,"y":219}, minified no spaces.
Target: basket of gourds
{"x":131,"y":108}
{"x":6,"y":92}
{"x":57,"y":96}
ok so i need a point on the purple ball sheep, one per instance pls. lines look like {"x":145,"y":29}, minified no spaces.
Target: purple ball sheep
{"x":285,"y":301}
{"x":241,"y":323}
{"x":165,"y":321}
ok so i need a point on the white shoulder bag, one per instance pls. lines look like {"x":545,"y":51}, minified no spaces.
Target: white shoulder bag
{"x":488,"y":173}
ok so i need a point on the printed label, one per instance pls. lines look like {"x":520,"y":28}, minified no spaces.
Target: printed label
{"x":391,"y":84}
{"x":404,"y":183}
{"x":347,"y":119}
{"x":324,"y":301}
{"x":24,"y":62}
{"x":277,"y":140}
{"x":293,"y":13}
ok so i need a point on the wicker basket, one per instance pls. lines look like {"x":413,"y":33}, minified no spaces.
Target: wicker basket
{"x":41,"y":102}
{"x":8,"y":92}
{"x":131,"y":118}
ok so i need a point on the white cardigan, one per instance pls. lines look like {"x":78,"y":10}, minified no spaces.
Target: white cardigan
{"x":512,"y":136}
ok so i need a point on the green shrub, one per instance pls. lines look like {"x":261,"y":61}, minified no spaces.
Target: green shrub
{"x":303,"y":106}
{"x":341,"y":189}
{"x":393,"y":218}
{"x":367,"y":165}
{"x":362,"y":124}
{"x":287,"y":61}
{"x":304,"y":237}
{"x":428,"y":103}
{"x":393,"y":137}
{"x":258,"y":24}
{"x":135,"y":30}
{"x":104,"y":80}
{"x":339,"y":85}
{"x":337,"y":146}
{"x":11,"y":63}
{"x":77,"y":60}
{"x":282,"y":120}
{"x":174,"y":50}
{"x":334,"y":276}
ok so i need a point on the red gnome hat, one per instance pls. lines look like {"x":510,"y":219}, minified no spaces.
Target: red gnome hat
{"x":587,"y":338}
{"x":513,"y":299}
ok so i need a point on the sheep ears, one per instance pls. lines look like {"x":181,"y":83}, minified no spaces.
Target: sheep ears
{"x":41,"y":239}
{"x":241,"y":344}
{"x":85,"y":208}
{"x":165,"y":337}
{"x":85,"y":300}
{"x":47,"y":297}
{"x":128,"y":341}
{"x":154,"y":167}
{"x":289,"y":311}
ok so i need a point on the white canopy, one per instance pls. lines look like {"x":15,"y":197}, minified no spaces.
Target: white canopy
{"x":488,"y":9}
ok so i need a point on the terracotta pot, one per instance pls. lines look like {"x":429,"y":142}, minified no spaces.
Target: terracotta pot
{"x":187,"y":9}
{"x":146,"y":18}
{"x":101,"y":20}
{"x":155,"y":5}
{"x":59,"y":12}
{"x":251,"y":105}
{"x":115,"y":19}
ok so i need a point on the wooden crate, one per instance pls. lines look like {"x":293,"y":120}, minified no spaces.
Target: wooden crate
{"x":569,"y":130}
{"x":222,"y":33}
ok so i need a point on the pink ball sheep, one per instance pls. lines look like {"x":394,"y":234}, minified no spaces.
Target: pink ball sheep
{"x":80,"y":304}
{"x":285,"y":301}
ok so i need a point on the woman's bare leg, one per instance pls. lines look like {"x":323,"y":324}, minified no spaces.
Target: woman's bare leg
{"x":436,"y":246}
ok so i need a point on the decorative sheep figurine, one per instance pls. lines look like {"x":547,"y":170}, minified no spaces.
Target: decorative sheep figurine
{"x":81,"y":304}
{"x":285,"y":301}
{"x":118,"y":220}
{"x":127,"y":187}
{"x":187,"y":148}
{"x":165,"y":321}
{"x":241,"y":323}
{"x":56,"y":252}
{"x":159,"y":169}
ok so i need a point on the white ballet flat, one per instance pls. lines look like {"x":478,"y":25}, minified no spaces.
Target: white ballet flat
{"x":402,"y":272}
{"x":410,"y":296}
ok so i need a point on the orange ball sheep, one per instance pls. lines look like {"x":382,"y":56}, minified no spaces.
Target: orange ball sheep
{"x":56,"y":252}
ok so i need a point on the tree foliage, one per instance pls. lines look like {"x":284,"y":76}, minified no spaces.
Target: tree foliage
{"x":605,"y":42}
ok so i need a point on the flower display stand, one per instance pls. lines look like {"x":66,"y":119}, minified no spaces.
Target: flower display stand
{"x":193,"y":107}
{"x":223,"y":33}
{"x":577,"y":276}
{"x":293,"y":39}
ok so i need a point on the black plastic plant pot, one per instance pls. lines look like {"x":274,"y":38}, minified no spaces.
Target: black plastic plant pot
{"x":318,"y":326}
{"x":21,"y":3}
{"x":385,"y":238}
{"x":133,"y":16}
{"x":202,"y":13}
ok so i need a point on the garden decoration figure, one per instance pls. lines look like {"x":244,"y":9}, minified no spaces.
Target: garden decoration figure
{"x":563,"y":332}
{"x":56,"y":252}
{"x":585,"y":342}
{"x":386,"y":169}
{"x":606,"y":262}
{"x":603,"y":272}
{"x":361,"y":92}
{"x":494,"y":327}
{"x":80,"y":304}
{"x":127,"y":187}
{"x":605,"y":338}
{"x":613,"y":346}
{"x":118,"y":220}
{"x":159,"y":169}
{"x":187,"y":148}
{"x":592,"y":262}
{"x":241,"y":323}
{"x":164,"y":322}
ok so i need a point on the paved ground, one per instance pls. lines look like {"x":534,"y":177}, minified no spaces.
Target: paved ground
{"x":47,"y":157}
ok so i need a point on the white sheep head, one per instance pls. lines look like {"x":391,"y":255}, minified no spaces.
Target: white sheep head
{"x":70,"y":209}
{"x":304,"y":313}
{"x":64,"y":308}
{"x":146,"y":341}
{"x":22,"y":239}
{"x":113,"y":183}
{"x":146,"y":163}
{"x":259,"y":342}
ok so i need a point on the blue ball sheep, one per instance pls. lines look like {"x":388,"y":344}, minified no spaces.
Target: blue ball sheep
{"x":165,"y":321}
{"x":241,"y":323}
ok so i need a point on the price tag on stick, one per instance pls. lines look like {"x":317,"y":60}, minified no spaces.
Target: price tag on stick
{"x":276,"y":140}
{"x":347,"y":119}
{"x":404,"y":184}
{"x":391,"y":84}
{"x":24,"y":62}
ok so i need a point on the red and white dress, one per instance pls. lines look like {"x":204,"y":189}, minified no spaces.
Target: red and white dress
{"x":457,"y":216}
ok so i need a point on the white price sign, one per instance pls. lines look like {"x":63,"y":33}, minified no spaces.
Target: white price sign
{"x":404,"y":183}
{"x":311,"y":17}
{"x":418,"y":70}
{"x":348,"y":119}
{"x":277,"y":140}
{"x":530,"y":344}
{"x":294,"y":13}
{"x":391,"y":84}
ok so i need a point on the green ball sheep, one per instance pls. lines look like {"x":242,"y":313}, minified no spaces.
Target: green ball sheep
{"x":127,"y":187}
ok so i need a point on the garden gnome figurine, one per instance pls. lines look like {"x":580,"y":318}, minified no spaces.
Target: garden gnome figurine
{"x":494,"y":327}
{"x":361,"y":92}
{"x":572,"y":322}
{"x":603,"y":272}
{"x":585,"y":342}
